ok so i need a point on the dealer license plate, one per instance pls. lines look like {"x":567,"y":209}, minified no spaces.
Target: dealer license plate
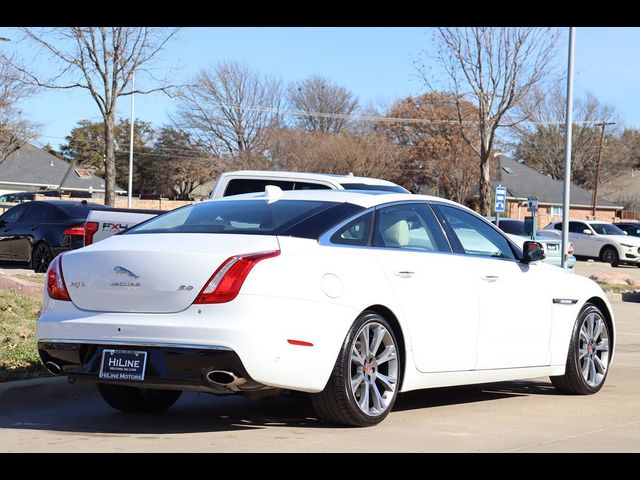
{"x":552,"y":246}
{"x":123,"y":365}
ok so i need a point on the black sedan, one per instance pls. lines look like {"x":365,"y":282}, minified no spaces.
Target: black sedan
{"x":37,"y":231}
{"x":632,"y":228}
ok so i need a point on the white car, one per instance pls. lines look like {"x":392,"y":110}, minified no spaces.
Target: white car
{"x":600,"y":240}
{"x":349,"y":296}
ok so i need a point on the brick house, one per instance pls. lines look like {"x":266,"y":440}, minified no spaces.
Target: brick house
{"x":523,"y":181}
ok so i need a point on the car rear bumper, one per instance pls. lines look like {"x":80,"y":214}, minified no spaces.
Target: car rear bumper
{"x":256,"y":328}
{"x":167,"y":366}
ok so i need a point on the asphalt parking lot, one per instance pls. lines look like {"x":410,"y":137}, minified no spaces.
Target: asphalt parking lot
{"x":524,"y":416}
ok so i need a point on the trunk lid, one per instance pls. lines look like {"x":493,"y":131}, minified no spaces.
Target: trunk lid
{"x":151,"y":273}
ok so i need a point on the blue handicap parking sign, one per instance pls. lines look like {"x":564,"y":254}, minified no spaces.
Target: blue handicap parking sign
{"x":501,"y":198}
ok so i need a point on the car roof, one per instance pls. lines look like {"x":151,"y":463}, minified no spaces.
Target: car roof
{"x":67,"y":203}
{"x":363,"y":198}
{"x":309,"y":176}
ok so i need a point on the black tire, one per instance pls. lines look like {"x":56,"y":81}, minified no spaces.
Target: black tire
{"x":573,"y":381}
{"x":337,"y":403}
{"x":139,"y":400}
{"x":610,"y":255}
{"x":41,"y":257}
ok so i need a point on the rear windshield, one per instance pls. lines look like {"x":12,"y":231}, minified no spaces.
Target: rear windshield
{"x":512,"y":227}
{"x":257,"y":217}
{"x":380,"y":188}
{"x":78,"y":211}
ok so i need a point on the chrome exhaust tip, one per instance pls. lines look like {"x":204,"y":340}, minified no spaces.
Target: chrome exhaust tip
{"x":224,"y":378}
{"x":53,"y":368}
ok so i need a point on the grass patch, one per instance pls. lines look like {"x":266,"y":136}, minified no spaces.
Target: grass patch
{"x":615,"y":287}
{"x":18,"y":353}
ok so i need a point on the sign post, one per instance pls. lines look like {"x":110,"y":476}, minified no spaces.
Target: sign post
{"x":501,"y":202}
{"x":532,"y":206}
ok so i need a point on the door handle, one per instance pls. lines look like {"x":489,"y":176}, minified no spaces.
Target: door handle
{"x":404,"y":274}
{"x":490,"y":278}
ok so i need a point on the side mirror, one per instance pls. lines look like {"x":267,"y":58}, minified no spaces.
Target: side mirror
{"x":532,"y":252}
{"x":586,"y":231}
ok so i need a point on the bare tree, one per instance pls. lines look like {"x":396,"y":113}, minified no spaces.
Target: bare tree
{"x":229,"y":108}
{"x":103,"y":61}
{"x":541,"y":143}
{"x":371,"y":154}
{"x":495,"y":68}
{"x":323,"y":106}
{"x":15,"y":129}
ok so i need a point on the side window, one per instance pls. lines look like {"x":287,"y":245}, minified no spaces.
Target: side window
{"x":558,"y":226}
{"x":310,"y":186}
{"x":577,"y":227}
{"x":237,"y":186}
{"x":356,"y":232}
{"x":476,"y":236}
{"x":411,"y":226}
{"x":14,"y":214}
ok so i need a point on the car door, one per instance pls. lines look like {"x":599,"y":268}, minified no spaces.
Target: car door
{"x":582,"y":243}
{"x":438,"y":295}
{"x":25,"y":229}
{"x":514,"y":326}
{"x":9,"y":226}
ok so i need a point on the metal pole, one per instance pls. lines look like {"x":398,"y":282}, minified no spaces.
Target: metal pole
{"x":567,"y":152}
{"x":133,"y":96}
{"x":597,"y":179}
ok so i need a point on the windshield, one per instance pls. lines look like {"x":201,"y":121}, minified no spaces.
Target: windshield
{"x":606,"y":229}
{"x":381,"y":188}
{"x":257,"y":217}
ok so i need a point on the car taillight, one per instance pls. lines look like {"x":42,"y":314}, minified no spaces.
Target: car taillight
{"x":226,"y":282}
{"x":570,"y":251}
{"x":75,"y":230}
{"x":56,"y":287}
{"x":90,"y":228}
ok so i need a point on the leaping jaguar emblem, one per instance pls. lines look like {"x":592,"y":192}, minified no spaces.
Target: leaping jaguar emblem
{"x":124,"y":271}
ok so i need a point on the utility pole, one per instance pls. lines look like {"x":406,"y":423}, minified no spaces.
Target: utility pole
{"x":566,"y":201}
{"x":133,"y":96}
{"x":597,"y":180}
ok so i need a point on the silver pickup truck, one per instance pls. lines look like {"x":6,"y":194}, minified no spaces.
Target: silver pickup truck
{"x":104,"y":223}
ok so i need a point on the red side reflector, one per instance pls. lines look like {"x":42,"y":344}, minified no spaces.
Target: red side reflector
{"x":75,"y":230}
{"x":56,"y":287}
{"x":300,"y":343}
{"x":90,"y":228}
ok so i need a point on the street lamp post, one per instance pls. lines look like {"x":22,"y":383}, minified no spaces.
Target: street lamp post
{"x":566,"y":194}
{"x":133,"y":95}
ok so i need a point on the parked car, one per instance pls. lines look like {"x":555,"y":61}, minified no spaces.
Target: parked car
{"x":37,"y":231}
{"x":247,"y":181}
{"x":349,"y":296}
{"x":631,"y":228}
{"x":552,"y":245}
{"x":234,"y":183}
{"x":17,"y":197}
{"x":600,"y":240}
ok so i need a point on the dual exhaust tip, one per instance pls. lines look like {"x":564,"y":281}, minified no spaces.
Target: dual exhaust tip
{"x":225,"y":378}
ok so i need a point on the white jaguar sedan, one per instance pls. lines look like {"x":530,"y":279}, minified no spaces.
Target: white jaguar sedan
{"x":349,"y":296}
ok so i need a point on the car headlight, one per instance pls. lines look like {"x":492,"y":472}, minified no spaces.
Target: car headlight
{"x":627,"y":246}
